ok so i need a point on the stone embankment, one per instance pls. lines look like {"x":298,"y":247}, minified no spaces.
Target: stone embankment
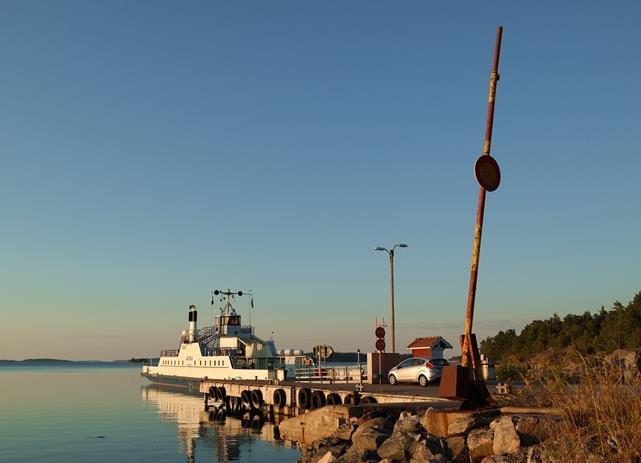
{"x":345,"y":434}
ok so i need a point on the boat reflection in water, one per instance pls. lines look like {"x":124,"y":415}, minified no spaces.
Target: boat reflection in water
{"x":230,"y":440}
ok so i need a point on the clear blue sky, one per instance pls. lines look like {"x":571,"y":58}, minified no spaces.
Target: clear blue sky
{"x":152,"y":151}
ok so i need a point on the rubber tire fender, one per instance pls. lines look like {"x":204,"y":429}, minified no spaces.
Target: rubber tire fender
{"x":256,"y":398}
{"x":369,"y":400}
{"x":304,"y":398}
{"x":280,"y":398}
{"x":334,"y":399}
{"x":352,"y":398}
{"x":318,"y":399}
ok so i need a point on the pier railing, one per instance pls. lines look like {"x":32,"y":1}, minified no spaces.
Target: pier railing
{"x":330,"y":375}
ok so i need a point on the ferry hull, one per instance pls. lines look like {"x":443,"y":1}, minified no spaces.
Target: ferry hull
{"x":174,"y":381}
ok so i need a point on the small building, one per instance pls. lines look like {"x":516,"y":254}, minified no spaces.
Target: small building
{"x":429,"y":347}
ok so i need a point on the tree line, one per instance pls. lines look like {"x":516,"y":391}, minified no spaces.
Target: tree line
{"x":589,"y":333}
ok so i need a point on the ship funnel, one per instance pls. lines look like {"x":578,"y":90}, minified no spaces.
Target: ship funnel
{"x":193,"y":315}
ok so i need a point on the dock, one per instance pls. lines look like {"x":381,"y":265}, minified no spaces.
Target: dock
{"x":271,"y":399}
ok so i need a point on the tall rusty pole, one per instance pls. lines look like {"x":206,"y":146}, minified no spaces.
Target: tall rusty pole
{"x":466,"y":349}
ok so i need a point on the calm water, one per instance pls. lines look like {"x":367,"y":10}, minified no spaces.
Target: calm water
{"x":101,"y":414}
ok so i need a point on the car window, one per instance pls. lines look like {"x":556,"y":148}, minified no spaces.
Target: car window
{"x":405,"y":363}
{"x":419,"y":362}
{"x":439,"y":362}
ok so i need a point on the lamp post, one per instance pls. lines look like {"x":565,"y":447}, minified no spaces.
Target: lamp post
{"x":390,"y":252}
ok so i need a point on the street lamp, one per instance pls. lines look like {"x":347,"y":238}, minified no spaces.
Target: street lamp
{"x":390,"y":252}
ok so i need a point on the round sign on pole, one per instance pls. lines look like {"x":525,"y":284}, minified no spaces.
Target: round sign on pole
{"x":487,"y":172}
{"x":380,"y":332}
{"x":380,"y":344}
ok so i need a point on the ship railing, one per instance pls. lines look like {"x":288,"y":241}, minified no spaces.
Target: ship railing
{"x":345,"y":374}
{"x":206,"y":334}
{"x":247,"y":329}
{"x":169,"y":353}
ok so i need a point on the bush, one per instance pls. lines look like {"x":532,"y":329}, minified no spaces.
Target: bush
{"x":510,"y":373}
{"x":601,"y":416}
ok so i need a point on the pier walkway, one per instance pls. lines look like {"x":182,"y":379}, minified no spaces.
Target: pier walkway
{"x":294,"y":397}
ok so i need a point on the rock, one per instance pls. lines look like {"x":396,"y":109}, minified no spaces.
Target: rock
{"x":506,"y":440}
{"x":333,"y":444}
{"x":327,"y":458}
{"x":480,"y":443}
{"x":438,"y":423}
{"x":321,"y":447}
{"x":314,"y":425}
{"x":496,"y":459}
{"x":419,"y":453}
{"x":408,"y":424}
{"x":370,"y":435}
{"x":345,"y":432}
{"x":457,"y":450}
{"x":396,"y":447}
{"x":537,"y":454}
{"x":356,"y":455}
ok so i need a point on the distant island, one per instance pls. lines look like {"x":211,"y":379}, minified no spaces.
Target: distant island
{"x":53,"y":361}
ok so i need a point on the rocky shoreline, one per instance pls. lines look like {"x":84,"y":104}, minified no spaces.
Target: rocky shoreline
{"x":489,"y":436}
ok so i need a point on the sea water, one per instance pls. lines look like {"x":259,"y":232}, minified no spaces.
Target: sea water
{"x":99,"y":413}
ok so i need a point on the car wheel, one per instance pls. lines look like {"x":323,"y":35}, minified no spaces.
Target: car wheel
{"x":422,"y":380}
{"x":392,"y":379}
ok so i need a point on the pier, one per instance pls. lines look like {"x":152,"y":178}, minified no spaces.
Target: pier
{"x":289,"y":398}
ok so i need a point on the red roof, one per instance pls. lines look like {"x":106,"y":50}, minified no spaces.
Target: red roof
{"x":430,"y":341}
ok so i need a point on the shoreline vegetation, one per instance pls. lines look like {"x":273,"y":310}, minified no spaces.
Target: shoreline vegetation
{"x":588,"y":334}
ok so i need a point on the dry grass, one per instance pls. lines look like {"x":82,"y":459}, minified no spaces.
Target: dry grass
{"x":601,"y":415}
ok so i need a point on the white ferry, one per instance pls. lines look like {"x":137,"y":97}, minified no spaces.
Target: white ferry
{"x":226,"y":350}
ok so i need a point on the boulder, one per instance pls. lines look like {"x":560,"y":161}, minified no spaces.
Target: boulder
{"x":357,"y":455}
{"x":345,"y":431}
{"x":314,"y":425}
{"x":450,"y":423}
{"x":497,"y":459}
{"x":321,"y":447}
{"x":421,"y":452}
{"x":457,"y":450}
{"x":408,"y":424}
{"x":370,"y":435}
{"x":480,"y":443}
{"x":396,"y":447}
{"x":327,"y":458}
{"x":506,"y":440}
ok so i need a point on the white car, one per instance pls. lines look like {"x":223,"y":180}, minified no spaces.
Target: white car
{"x":417,"y":370}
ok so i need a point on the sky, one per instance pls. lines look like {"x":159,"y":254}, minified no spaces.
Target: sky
{"x":151,"y":152}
